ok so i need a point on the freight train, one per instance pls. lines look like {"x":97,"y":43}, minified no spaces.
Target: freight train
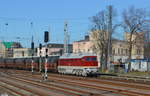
{"x":77,"y":64}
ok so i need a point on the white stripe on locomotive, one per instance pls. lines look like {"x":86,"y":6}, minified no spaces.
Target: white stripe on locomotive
{"x":81,"y":70}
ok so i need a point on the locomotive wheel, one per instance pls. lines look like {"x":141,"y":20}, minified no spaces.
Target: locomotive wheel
{"x":76,"y":73}
{"x":84,"y":74}
{"x":81,"y":71}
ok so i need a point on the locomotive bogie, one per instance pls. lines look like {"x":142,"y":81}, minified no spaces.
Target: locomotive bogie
{"x":79,"y":71}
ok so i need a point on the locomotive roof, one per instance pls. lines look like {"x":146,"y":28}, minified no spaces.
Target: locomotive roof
{"x":80,"y":55}
{"x":29,"y":57}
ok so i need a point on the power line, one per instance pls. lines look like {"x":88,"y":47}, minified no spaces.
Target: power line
{"x":29,"y":19}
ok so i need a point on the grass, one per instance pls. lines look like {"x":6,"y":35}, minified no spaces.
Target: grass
{"x":140,"y":74}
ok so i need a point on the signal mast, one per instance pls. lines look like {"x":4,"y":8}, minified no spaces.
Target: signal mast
{"x":66,"y":38}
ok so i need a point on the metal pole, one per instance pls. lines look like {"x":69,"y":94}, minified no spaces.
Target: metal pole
{"x":32,"y":65}
{"x":46,"y":39}
{"x":40,"y":67}
{"x":46,"y":76}
{"x":109,"y":35}
{"x":40,"y":61}
{"x":46,"y":63}
{"x":66,"y":36}
{"x":32,"y":49}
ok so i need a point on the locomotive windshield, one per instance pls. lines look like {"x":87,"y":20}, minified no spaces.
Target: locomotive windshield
{"x":91,"y":59}
{"x":94,"y":59}
{"x":87,"y":58}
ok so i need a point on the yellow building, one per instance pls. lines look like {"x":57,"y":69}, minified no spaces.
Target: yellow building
{"x":22,"y":52}
{"x":2,"y":50}
{"x":6,"y":48}
{"x":120,"y":48}
{"x":119,"y":51}
{"x":137,"y":44}
{"x":83,"y":46}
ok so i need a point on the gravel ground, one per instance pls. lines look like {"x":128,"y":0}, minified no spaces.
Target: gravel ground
{"x":3,"y":92}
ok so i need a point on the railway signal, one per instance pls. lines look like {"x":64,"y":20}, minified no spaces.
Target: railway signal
{"x":46,"y":36}
{"x":46,"y":39}
{"x":32,"y":49}
{"x":40,"y":68}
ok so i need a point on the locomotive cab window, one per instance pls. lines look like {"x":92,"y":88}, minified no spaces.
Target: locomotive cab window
{"x":87,"y":58}
{"x":94,"y":59}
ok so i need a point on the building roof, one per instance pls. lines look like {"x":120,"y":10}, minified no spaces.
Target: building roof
{"x":86,"y":39}
{"x":11,"y":44}
{"x":7,"y":44}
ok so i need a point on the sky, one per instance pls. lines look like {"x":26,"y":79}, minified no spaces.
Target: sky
{"x":16,"y":17}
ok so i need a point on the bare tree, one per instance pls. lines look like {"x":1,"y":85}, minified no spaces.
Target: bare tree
{"x":147,"y":41}
{"x":134,"y":21}
{"x":101,"y":34}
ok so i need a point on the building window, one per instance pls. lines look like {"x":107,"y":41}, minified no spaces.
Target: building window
{"x":114,"y":51}
{"x":118,"y":51}
{"x":122,"y":51}
{"x":138,"y":52}
{"x":83,"y":50}
{"x":126,"y":50}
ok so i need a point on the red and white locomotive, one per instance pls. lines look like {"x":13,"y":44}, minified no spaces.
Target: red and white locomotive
{"x":78,"y":64}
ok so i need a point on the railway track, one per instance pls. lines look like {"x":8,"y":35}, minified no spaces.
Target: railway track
{"x":109,"y":90}
{"x":138,"y":87}
{"x":107,"y":81}
{"x":123,"y":91}
{"x":24,"y":89}
{"x":83,"y":86}
{"x":60,"y":88}
{"x":128,"y":79}
{"x":8,"y":90}
{"x":63,"y":90}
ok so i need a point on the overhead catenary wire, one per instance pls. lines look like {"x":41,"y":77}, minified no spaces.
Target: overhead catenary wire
{"x":39,"y":19}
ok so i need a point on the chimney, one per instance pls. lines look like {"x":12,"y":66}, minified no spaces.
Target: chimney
{"x":87,"y":38}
